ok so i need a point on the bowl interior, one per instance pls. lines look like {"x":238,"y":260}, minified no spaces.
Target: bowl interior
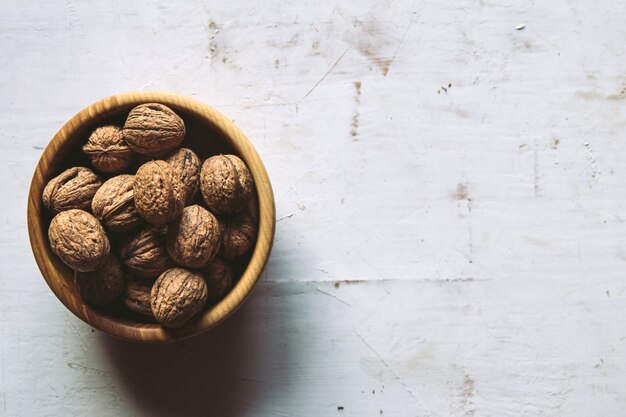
{"x":207,"y":133}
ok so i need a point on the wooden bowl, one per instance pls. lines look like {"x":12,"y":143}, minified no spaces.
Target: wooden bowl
{"x":208,"y":132}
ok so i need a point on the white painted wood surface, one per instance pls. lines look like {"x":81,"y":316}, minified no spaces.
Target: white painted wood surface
{"x":451,"y":196}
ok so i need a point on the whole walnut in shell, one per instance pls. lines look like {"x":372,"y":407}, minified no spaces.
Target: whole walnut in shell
{"x":238,"y":236}
{"x":226,"y":184}
{"x":194,"y":239}
{"x":219,"y":278}
{"x":79,"y":240}
{"x":102,"y":286}
{"x":74,"y":188}
{"x":177,"y":296}
{"x":137,"y":298}
{"x":107,"y":150}
{"x":114,"y":204}
{"x":144,"y":253}
{"x":159,"y":194}
{"x":153,"y":129}
{"x":186,"y":165}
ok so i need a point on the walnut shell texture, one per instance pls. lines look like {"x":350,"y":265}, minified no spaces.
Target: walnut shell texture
{"x":186,"y":165}
{"x":74,"y":188}
{"x":104,"y":285}
{"x":177,"y":296}
{"x":219,"y":278}
{"x":114,"y":204}
{"x":226,"y":184}
{"x":107,"y":150}
{"x":153,"y":129}
{"x":159,"y":194}
{"x":194,"y":239}
{"x":239,"y":235}
{"x":137,"y":298}
{"x":79,"y":240}
{"x":144,"y":253}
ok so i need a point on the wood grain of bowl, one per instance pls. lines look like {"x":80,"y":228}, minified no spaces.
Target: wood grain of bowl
{"x":208,"y":132}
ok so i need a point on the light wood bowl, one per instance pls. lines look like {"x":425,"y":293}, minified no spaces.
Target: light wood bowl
{"x":208,"y":132}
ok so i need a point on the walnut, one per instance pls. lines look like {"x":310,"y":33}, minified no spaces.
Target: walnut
{"x":159,"y":194}
{"x":153,"y":129}
{"x":194,"y":239}
{"x":226,"y":184}
{"x":72,"y":189}
{"x":219,"y":278}
{"x":177,"y":296}
{"x":107,"y":150}
{"x":78,"y":239}
{"x":114,"y":204}
{"x":102,"y":286}
{"x":239,"y":234}
{"x":137,"y":298}
{"x":144,"y":253}
{"x":186,"y":165}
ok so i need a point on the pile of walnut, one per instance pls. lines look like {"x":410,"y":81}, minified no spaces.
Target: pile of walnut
{"x":173,"y":256}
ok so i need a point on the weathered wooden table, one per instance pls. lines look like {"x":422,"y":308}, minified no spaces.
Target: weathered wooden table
{"x":451,"y":199}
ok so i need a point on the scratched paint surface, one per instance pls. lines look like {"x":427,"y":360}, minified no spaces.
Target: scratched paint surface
{"x":450,"y":190}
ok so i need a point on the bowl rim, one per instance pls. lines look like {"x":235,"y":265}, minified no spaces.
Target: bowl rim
{"x":49,"y":265}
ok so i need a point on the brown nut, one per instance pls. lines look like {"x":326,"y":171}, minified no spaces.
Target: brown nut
{"x":177,"y":296}
{"x":226,"y":184}
{"x":186,"y":166}
{"x":219,"y":279}
{"x":107,"y":150}
{"x":159,"y":194}
{"x":79,"y":240}
{"x":239,"y":235}
{"x":114,"y":204}
{"x":153,"y":129}
{"x":137,"y":298}
{"x":102,"y":286}
{"x":144,"y":253}
{"x":194,"y":239}
{"x":72,"y":189}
